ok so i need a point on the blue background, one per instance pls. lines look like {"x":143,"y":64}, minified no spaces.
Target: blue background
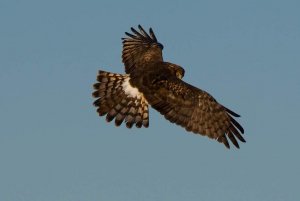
{"x":53,"y":146}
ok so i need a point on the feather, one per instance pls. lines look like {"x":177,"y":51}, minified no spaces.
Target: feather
{"x":231,"y":112}
{"x":236,"y":124}
{"x":116,"y":101}
{"x":152,"y":35}
{"x":233,"y":140}
{"x":139,"y":35}
{"x":236,"y":133}
{"x":145,"y":34}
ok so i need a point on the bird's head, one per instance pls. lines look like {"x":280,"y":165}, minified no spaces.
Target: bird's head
{"x":177,"y":70}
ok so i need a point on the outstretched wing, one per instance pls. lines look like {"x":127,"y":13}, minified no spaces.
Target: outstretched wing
{"x":140,"y":48}
{"x":195,"y":110}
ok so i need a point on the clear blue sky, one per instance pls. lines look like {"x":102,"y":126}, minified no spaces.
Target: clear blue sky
{"x":53,"y":146}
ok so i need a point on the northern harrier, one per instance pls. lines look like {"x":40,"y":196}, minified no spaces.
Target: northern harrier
{"x":149,"y":80}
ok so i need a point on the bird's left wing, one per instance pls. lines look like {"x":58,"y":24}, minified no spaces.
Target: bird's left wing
{"x":195,"y":110}
{"x":140,"y":48}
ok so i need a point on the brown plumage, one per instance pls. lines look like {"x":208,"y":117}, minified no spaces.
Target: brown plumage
{"x":114,"y":102}
{"x":150,"y":80}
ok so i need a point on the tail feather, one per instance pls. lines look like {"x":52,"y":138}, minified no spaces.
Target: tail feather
{"x":118,"y":100}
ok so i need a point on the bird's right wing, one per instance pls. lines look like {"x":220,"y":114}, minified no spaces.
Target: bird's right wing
{"x":195,"y":110}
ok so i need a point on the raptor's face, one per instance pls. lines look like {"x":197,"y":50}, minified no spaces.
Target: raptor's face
{"x":178,"y":70}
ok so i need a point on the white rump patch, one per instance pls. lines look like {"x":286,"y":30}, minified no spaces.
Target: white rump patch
{"x":130,"y":90}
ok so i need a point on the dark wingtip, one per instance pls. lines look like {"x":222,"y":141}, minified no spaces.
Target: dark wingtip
{"x":129,"y":34}
{"x":227,"y":145}
{"x":241,"y":129}
{"x":153,"y":35}
{"x":236,"y":133}
{"x":236,"y":124}
{"x":151,"y":31}
{"x":232,"y":112}
{"x":142,"y":35}
{"x":236,"y":145}
{"x":223,"y":139}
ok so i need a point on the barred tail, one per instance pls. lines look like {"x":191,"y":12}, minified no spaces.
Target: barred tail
{"x":118,"y":100}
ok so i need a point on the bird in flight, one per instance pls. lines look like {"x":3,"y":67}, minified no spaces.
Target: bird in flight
{"x":149,"y":80}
